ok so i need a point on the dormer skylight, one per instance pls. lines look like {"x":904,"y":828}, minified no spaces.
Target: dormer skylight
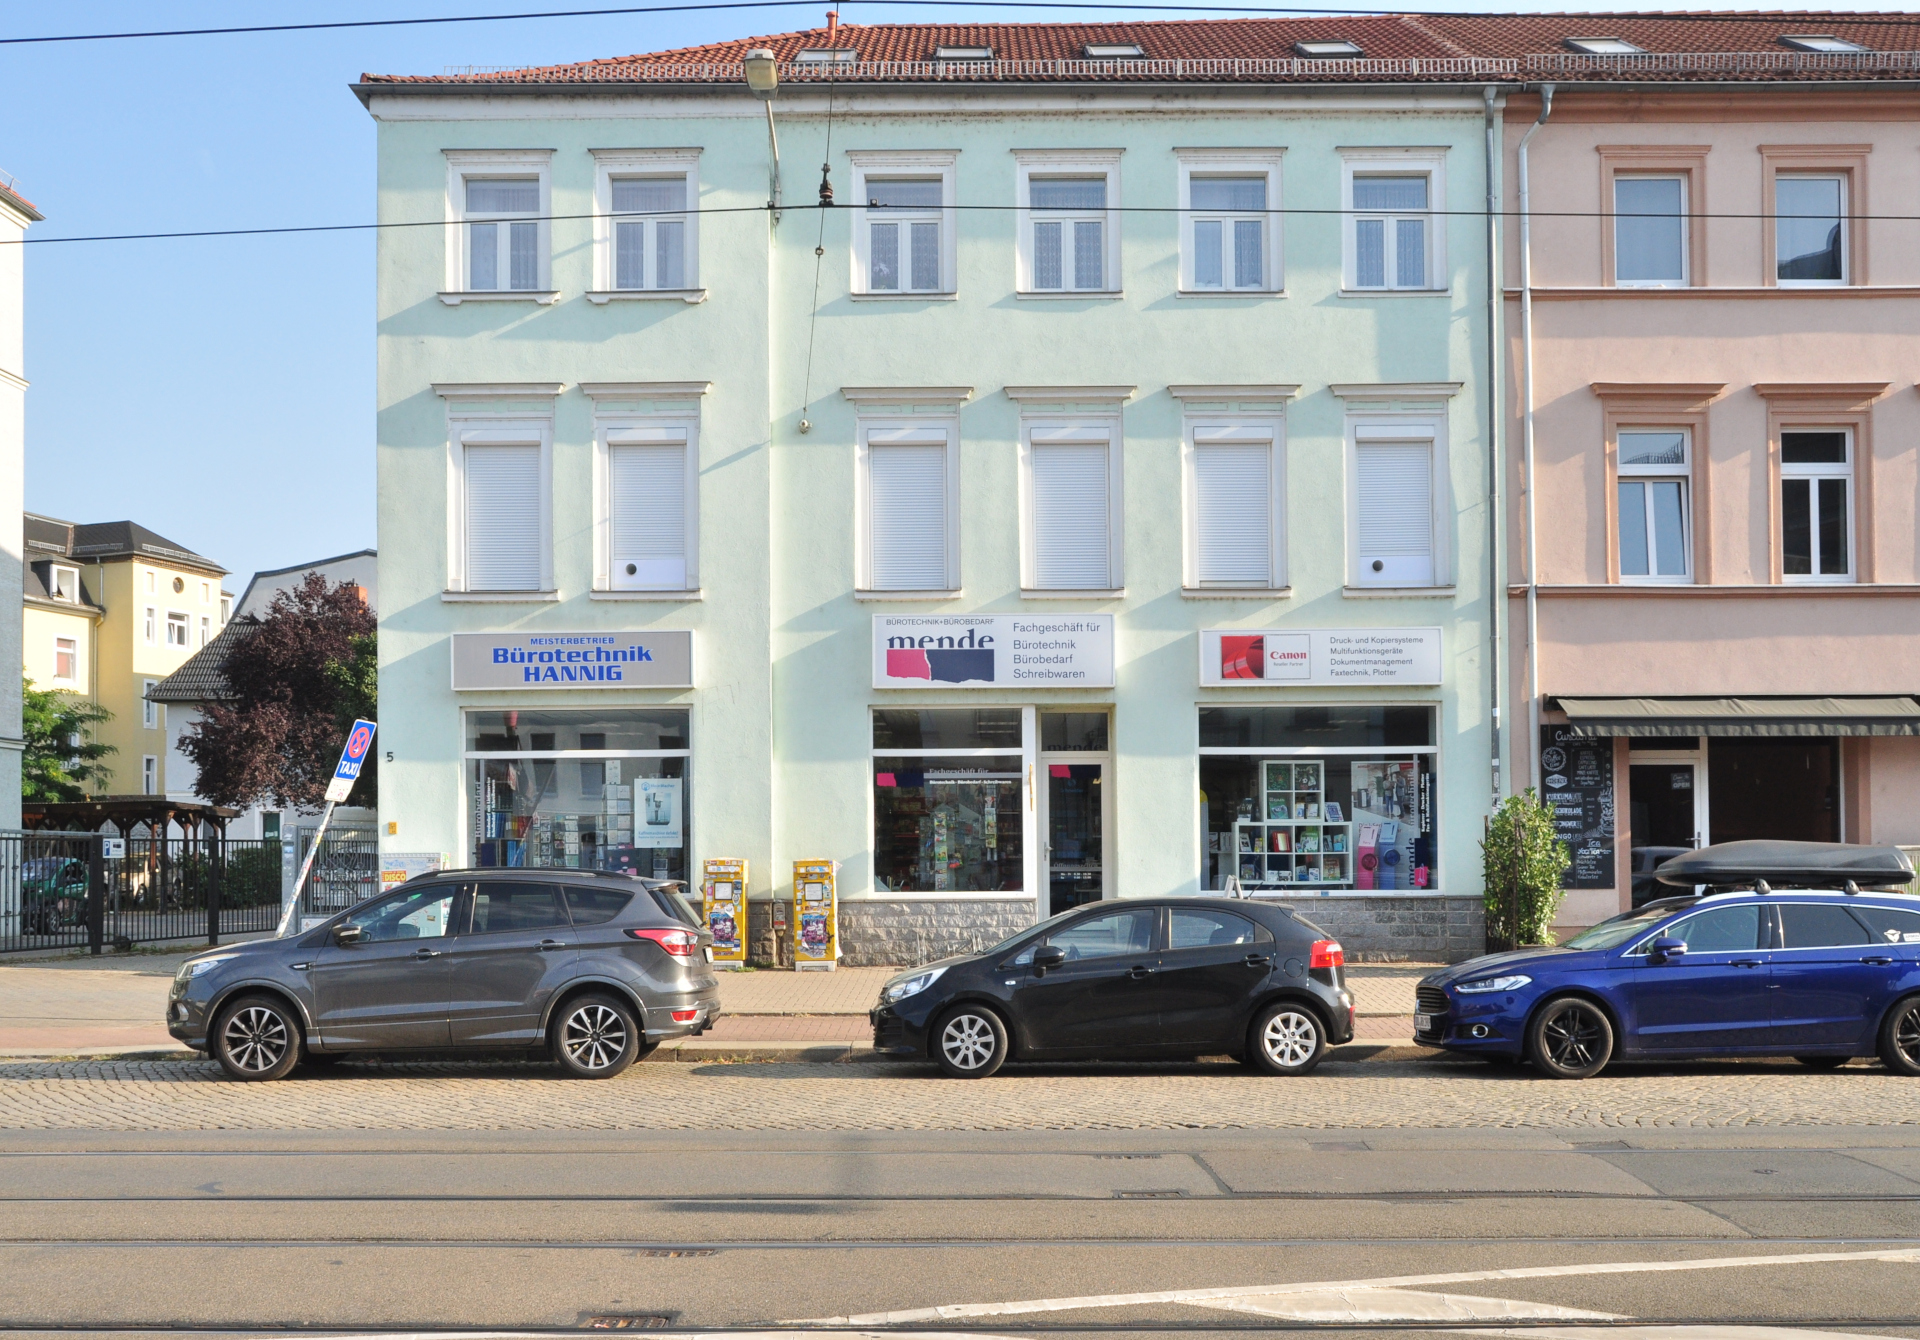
{"x":1327,"y":49}
{"x":963,"y":53}
{"x":1604,"y":46}
{"x":1814,"y":43}
{"x":1114,"y":51}
{"x":827,"y":56}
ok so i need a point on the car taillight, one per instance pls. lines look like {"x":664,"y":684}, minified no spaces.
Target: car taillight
{"x":1327,"y":954}
{"x":685,"y":1016}
{"x":679,"y":943}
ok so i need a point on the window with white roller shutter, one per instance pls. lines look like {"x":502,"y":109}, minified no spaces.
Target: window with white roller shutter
{"x":1393,"y":505}
{"x":502,"y":528}
{"x":648,"y":532}
{"x":1070,"y":508}
{"x":1233,"y":515}
{"x":907,"y":487}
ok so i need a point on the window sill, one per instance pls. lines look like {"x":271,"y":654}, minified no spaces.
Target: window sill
{"x":1236,"y":593}
{"x":943,"y":295}
{"x":1230,"y":293}
{"x":1396,"y":292}
{"x":863,"y":594}
{"x":691,"y":593}
{"x":600,"y":297}
{"x":546,"y":298}
{"x":1069,"y":295}
{"x":500,"y":597}
{"x":1399,"y":592}
{"x":1095,"y":593}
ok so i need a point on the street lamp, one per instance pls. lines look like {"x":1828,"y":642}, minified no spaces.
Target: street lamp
{"x":763,"y":77}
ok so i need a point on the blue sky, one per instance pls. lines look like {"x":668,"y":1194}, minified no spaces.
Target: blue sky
{"x":221,"y":390}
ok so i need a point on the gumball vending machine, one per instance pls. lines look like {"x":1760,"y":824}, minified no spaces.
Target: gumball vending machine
{"x":816,"y":917}
{"x":723,"y":885}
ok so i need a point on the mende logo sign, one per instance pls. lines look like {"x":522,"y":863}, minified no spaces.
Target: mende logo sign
{"x":992,"y":650}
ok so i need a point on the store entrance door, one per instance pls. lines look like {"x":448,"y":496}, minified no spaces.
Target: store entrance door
{"x":1665,"y":809}
{"x":1075,"y":851}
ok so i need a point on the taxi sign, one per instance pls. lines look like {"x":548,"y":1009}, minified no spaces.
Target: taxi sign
{"x":359,"y":742}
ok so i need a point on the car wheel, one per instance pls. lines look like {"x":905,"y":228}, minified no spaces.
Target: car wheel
{"x":1900,"y":1037}
{"x":1823,"y":1062}
{"x":257,"y":1037}
{"x":1286,"y":1039}
{"x":595,"y":1037}
{"x":970,"y":1042}
{"x":1571,"y":1038}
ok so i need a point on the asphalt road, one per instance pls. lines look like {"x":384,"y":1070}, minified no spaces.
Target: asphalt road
{"x":1584,"y":1232}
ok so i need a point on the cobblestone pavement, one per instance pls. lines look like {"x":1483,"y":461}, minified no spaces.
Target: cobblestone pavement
{"x":176,"y":1095}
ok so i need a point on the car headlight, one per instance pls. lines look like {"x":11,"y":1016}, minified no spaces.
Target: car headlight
{"x":194,"y":967}
{"x":909,"y":986}
{"x":1510,"y":983}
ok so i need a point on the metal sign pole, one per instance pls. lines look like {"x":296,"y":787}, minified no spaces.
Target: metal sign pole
{"x":345,"y":774}
{"x":293,"y":900}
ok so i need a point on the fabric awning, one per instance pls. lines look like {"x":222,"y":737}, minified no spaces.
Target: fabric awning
{"x":1893,"y":715}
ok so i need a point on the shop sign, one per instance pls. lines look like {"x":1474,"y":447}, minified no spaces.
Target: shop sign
{"x":1240,"y":657}
{"x":1576,"y":776}
{"x":992,"y":651}
{"x":583,"y":660}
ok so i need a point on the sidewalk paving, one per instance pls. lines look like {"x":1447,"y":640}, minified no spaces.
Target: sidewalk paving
{"x":114,"y":1004}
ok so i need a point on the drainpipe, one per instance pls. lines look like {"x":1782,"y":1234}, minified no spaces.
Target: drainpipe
{"x":1496,"y":587}
{"x":1526,"y":440}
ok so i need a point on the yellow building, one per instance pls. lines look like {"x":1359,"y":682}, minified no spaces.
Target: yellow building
{"x":110,"y":610}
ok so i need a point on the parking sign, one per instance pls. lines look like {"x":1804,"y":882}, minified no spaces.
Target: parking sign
{"x":359,"y":742}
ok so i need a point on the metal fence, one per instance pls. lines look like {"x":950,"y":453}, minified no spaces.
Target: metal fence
{"x":90,"y":891}
{"x":346,"y":871}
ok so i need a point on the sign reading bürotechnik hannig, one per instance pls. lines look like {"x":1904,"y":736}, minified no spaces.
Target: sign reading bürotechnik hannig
{"x":573,"y":660}
{"x":992,"y":651}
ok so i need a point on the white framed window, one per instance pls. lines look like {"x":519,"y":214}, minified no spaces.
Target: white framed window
{"x":149,"y":709}
{"x":1394,"y":240}
{"x":499,"y":203}
{"x":502,"y":480}
{"x":206,"y":628}
{"x":66,"y":659}
{"x":149,"y":775}
{"x":226,"y":609}
{"x":151,"y":585}
{"x":646,"y":232}
{"x":1604,"y":46}
{"x":1070,"y":500}
{"x":177,"y":628}
{"x":1816,"y":505}
{"x":1236,"y":502}
{"x":908,"y":481}
{"x":648,"y":471}
{"x":1650,"y":231}
{"x":64,"y":583}
{"x":904,"y":223}
{"x":1068,"y":222}
{"x":206,"y":593}
{"x":1655,"y":469}
{"x":1230,"y":225}
{"x":152,"y":624}
{"x":1397,"y":469}
{"x":1810,"y":228}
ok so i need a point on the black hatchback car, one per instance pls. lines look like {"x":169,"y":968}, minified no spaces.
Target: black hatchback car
{"x":593,"y":970}
{"x":1141,"y":979}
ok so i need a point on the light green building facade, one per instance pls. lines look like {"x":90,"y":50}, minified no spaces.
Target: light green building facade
{"x":1133,"y":371}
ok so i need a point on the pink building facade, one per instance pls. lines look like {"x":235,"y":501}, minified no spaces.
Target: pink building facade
{"x":1719,"y":634}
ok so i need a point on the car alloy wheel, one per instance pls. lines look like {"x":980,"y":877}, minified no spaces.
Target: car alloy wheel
{"x":1571,"y":1038}
{"x":1900,"y":1037}
{"x":257,"y":1039}
{"x":1287,"y":1039}
{"x":971,"y":1043}
{"x":595,"y":1037}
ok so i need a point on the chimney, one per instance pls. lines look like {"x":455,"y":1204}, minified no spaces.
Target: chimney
{"x":833,"y":24}
{"x":361,"y":592}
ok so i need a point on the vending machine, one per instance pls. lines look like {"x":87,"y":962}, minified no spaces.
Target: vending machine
{"x":816,"y":917}
{"x":723,"y":886}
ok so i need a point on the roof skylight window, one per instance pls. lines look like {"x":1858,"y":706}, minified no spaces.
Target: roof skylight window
{"x":1327,"y":50}
{"x":963,"y":53}
{"x":827,"y":56}
{"x":1604,"y":46}
{"x":1114,"y":51}
{"x":1813,"y":43}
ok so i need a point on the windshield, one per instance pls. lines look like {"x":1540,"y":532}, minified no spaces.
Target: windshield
{"x":1618,"y":930}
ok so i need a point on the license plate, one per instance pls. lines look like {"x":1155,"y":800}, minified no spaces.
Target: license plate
{"x":709,"y":953}
{"x":1423,"y":1023}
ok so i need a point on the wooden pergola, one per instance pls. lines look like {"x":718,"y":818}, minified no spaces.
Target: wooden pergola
{"x":195,"y":819}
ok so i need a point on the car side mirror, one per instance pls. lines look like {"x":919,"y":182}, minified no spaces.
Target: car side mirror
{"x":1666,"y":947}
{"x":349,"y":934}
{"x":1048,"y":956}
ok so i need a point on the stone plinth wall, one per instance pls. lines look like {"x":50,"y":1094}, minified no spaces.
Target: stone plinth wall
{"x":1386,"y":929}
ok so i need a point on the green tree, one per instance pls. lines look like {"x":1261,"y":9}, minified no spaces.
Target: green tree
{"x":61,"y":755}
{"x":1523,"y":860}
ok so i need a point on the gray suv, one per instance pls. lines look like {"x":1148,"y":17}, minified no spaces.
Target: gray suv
{"x":592,"y":969}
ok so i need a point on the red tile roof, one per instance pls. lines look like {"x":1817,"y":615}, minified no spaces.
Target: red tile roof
{"x":1679,"y":47}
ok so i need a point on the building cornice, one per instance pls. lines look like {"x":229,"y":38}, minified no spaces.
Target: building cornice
{"x":644,"y":390}
{"x":496,"y":390}
{"x":1271,"y":391}
{"x":1069,"y":394}
{"x":1395,"y":390}
{"x":907,"y":395}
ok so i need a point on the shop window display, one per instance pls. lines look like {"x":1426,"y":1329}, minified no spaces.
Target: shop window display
{"x":1307,"y":799}
{"x":603,"y":789}
{"x":947,"y":822}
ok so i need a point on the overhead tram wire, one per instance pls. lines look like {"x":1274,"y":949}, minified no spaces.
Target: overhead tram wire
{"x":1315,"y":11}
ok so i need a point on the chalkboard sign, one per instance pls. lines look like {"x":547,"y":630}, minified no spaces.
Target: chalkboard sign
{"x":1576,"y":776}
